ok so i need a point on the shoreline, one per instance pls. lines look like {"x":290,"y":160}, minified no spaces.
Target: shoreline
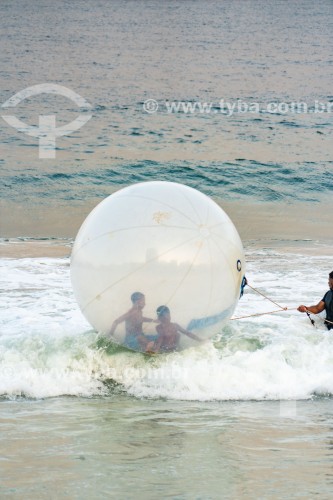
{"x":21,"y":248}
{"x":49,"y":231}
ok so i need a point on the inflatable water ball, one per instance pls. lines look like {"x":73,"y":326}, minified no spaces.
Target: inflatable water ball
{"x":157,"y":246}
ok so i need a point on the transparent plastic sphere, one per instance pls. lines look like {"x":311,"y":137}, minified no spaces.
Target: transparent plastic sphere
{"x":174,"y":246}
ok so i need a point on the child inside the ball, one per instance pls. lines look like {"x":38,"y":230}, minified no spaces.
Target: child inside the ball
{"x":134,"y":319}
{"x":168,"y":333}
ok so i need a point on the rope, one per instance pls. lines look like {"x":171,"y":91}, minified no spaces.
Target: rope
{"x":317,"y":317}
{"x":262,"y":314}
{"x":278,"y":311}
{"x":322,"y":319}
{"x":260,"y":293}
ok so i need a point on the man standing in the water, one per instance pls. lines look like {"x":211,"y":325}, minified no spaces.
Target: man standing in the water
{"x":326,"y":303}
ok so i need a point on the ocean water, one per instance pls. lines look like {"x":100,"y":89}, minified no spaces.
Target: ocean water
{"x":248,"y":415}
{"x":119,"y":54}
{"x":48,"y":349}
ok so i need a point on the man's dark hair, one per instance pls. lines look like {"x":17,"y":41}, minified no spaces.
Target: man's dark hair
{"x":162,"y":311}
{"x":136,"y":296}
{"x":331,"y":275}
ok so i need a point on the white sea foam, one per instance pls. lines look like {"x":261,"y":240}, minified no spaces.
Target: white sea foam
{"x":47,"y":348}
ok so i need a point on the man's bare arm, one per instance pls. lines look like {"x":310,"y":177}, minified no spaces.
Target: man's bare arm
{"x":313,"y":309}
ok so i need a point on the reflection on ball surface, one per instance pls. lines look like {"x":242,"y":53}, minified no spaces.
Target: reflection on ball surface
{"x":173,"y":246}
